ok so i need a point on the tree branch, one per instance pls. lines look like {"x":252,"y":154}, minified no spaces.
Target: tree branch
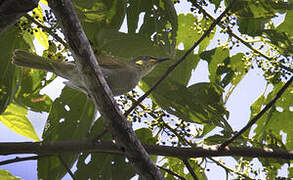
{"x":259,"y":115}
{"x":100,"y":92}
{"x":88,"y":145}
{"x":59,"y":39}
{"x":227,"y":169}
{"x":11,"y":10}
{"x":173,"y":66}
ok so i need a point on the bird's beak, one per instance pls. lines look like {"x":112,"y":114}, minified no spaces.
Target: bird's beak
{"x":162,"y":59}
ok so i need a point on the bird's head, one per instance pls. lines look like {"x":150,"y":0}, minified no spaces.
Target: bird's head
{"x":146,"y":64}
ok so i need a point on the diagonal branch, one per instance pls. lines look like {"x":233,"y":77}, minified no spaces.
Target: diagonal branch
{"x":185,"y":161}
{"x":59,"y":39}
{"x":173,"y":66}
{"x":171,"y":172}
{"x":228,"y":169}
{"x":100,"y":92}
{"x":258,"y":116}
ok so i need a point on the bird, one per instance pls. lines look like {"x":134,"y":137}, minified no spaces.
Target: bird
{"x":121,"y":76}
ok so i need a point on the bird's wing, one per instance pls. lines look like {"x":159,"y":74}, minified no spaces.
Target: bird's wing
{"x":110,"y":62}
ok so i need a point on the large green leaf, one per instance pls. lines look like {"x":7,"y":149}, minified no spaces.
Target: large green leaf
{"x":287,"y":25}
{"x":215,"y":58}
{"x":178,"y":166}
{"x":102,"y":21}
{"x":200,"y":103}
{"x":10,"y":75}
{"x":252,"y":16}
{"x":70,"y":118}
{"x":224,"y":70}
{"x":14,"y":117}
{"x":109,"y":166}
{"x":128,"y":45}
{"x":181,"y":74}
{"x":189,"y":31}
{"x":281,"y":40}
{"x":29,"y":94}
{"x":277,"y":120}
{"x":103,"y":166}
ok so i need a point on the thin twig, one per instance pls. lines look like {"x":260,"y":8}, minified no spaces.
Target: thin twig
{"x":173,"y":66}
{"x":167,"y":125}
{"x":259,"y":115}
{"x":230,"y":170}
{"x":66,"y":167}
{"x":230,"y":32}
{"x":185,"y":161}
{"x":19,"y":159}
{"x":59,"y":39}
{"x":171,"y":172}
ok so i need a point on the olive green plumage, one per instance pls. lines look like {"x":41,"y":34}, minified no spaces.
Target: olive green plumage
{"x":121,"y":76}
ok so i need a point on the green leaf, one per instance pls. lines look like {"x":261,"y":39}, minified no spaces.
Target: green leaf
{"x":145,"y":136}
{"x":215,"y":58}
{"x":290,"y":169}
{"x":178,"y":166}
{"x":190,"y":29}
{"x":14,"y":117}
{"x":215,"y":139}
{"x":103,"y":166}
{"x":281,"y":40}
{"x":287,"y":24}
{"x":277,"y":120}
{"x":9,"y":79}
{"x":118,"y":44}
{"x":199,"y":103}
{"x":96,"y":15}
{"x":5,"y":175}
{"x":153,"y":37}
{"x":70,"y":118}
{"x":40,"y":35}
{"x":252,"y":16}
{"x":182,"y":73}
{"x":186,"y":30}
{"x":29,"y":94}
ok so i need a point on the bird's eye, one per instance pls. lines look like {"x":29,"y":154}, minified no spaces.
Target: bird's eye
{"x":139,"y":62}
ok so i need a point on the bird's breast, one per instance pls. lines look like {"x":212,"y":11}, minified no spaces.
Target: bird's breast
{"x":121,"y":81}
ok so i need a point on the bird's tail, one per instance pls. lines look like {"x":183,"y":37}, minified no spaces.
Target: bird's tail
{"x":26,"y":59}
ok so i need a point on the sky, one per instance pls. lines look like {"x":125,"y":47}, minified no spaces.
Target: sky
{"x":247,"y":91}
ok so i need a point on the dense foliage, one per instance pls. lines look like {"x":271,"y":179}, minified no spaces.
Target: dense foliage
{"x":254,"y":34}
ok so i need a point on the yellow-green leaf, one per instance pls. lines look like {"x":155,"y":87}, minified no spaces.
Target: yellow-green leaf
{"x":14,"y":117}
{"x":45,"y":2}
{"x":5,"y":175}
{"x":41,"y":36}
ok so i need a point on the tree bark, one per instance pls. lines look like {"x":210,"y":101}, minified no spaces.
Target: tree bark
{"x":100,"y":92}
{"x":11,"y":10}
{"x":88,"y":145}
